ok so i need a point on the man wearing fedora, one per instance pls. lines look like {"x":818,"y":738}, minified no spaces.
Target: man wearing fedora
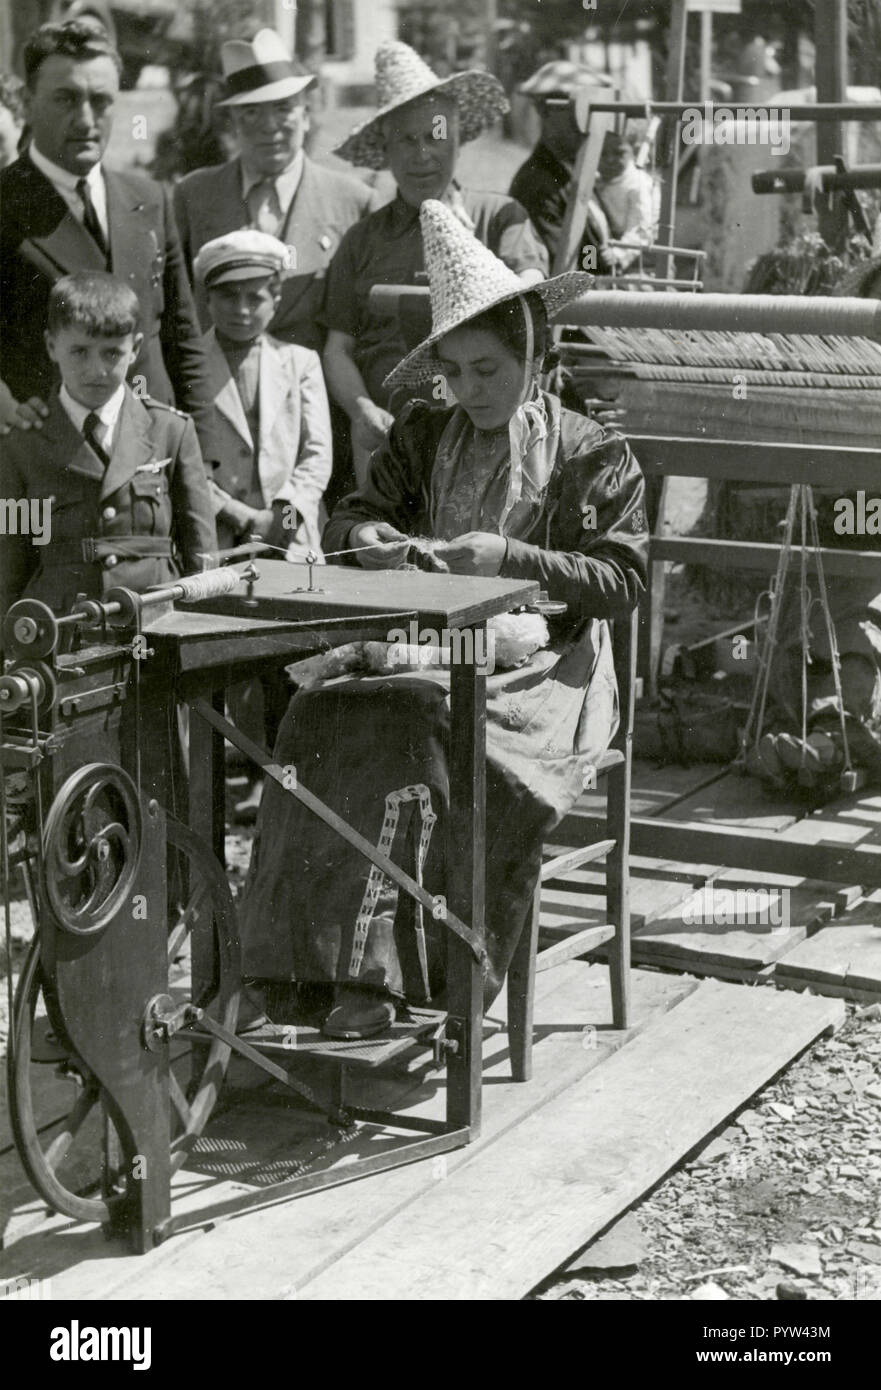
{"x":272,"y":184}
{"x":63,"y":211}
{"x":416,"y":133}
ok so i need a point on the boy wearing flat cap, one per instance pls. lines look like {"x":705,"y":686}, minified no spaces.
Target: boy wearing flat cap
{"x":273,"y":426}
{"x":273,"y":436}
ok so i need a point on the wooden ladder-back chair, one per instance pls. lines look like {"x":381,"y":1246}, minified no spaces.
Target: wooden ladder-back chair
{"x":528,"y":960}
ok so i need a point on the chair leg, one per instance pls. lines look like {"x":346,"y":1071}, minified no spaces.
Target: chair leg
{"x":618,"y":891}
{"x":521,"y":994}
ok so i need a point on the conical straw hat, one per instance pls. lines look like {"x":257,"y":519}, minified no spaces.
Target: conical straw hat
{"x":465,"y":279}
{"x":402,"y":76}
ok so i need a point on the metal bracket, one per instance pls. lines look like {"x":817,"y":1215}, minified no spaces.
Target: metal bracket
{"x":453,"y":1041}
{"x":91,"y":699}
{"x":163,"y":1018}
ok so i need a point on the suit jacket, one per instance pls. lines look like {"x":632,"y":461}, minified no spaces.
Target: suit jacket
{"x":41,"y":240}
{"x":131,"y":497}
{"x":294,"y":451}
{"x":209,"y":203}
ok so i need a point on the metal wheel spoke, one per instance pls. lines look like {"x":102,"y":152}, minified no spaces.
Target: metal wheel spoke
{"x":61,"y":1144}
{"x":178,"y":1099}
{"x":183,"y":928}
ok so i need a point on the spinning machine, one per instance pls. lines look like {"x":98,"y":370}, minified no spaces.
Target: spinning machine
{"x":134,"y":973}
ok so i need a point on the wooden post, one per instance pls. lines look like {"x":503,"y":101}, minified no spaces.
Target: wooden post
{"x":618,"y":824}
{"x":466,"y":850}
{"x":830,"y":37}
{"x":284,"y":22}
{"x":595,"y":124}
{"x":206,"y":793}
{"x":673,"y":91}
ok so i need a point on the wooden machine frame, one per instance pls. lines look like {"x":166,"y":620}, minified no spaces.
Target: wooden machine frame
{"x":57,"y":708}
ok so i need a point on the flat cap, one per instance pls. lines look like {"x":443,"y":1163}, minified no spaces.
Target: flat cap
{"x":242,"y":255}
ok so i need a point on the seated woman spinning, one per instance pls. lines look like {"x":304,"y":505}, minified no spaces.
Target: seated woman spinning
{"x":506,"y":482}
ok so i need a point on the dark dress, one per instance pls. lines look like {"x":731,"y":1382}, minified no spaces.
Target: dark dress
{"x":356,"y":740}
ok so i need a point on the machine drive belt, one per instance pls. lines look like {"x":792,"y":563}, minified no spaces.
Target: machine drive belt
{"x":94,"y":548}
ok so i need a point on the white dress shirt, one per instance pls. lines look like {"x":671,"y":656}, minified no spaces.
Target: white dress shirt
{"x":65,"y":184}
{"x":108,"y":415}
{"x":269,"y":199}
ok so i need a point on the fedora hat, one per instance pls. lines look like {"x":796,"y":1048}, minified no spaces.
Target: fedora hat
{"x":465,"y":279}
{"x":261,"y":70}
{"x":401,"y":77}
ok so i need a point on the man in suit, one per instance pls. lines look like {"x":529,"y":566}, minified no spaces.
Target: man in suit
{"x":64,"y":212}
{"x":272,"y":184}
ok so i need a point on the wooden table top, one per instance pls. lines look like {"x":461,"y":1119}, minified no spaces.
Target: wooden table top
{"x":439,"y":600}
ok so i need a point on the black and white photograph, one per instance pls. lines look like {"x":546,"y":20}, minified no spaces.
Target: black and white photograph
{"x":440,"y":667}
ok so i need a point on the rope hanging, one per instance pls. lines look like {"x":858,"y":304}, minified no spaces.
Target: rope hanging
{"x":801,"y":509}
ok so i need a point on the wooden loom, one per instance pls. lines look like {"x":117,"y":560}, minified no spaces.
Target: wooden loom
{"x":809,"y":373}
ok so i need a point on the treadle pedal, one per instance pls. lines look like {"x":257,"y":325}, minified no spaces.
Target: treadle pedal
{"x":297,"y":1041}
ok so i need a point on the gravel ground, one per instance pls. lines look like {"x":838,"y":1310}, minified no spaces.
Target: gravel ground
{"x":784,"y":1203}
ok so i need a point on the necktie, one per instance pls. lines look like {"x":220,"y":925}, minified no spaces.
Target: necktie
{"x":265,"y":208}
{"x":90,"y":433}
{"x":90,"y":217}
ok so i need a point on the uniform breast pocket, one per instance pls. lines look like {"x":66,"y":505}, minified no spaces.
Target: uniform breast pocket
{"x":151,"y":504}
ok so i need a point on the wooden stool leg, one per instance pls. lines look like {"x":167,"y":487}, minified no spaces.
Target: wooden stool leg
{"x":618,"y":892}
{"x":521,"y":994}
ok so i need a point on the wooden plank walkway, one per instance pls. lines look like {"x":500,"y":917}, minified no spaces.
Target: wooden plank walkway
{"x":809,"y":951}
{"x":257,"y":1255}
{"x":570,"y":1169}
{"x":559,"y":1158}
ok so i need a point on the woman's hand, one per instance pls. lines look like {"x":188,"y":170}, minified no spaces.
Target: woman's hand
{"x":373,"y":533}
{"x":477,"y":552}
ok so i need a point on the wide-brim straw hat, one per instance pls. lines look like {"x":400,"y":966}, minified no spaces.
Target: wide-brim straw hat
{"x":402,"y":77}
{"x":466,"y":279}
{"x":261,"y":70}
